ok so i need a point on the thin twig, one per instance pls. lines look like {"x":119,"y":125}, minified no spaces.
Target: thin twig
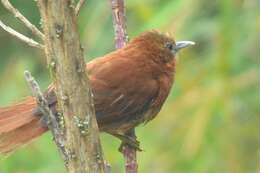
{"x":78,"y":6}
{"x":43,"y":105}
{"x":23,"y":19}
{"x":121,"y":38}
{"x":20,"y":36}
{"x":119,"y":23}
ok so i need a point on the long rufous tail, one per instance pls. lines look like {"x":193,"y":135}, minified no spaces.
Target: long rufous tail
{"x":18,"y":125}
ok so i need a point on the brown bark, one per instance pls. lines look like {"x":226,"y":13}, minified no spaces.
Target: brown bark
{"x":82,"y":150}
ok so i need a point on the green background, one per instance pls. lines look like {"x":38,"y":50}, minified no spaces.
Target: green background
{"x":210,"y":122}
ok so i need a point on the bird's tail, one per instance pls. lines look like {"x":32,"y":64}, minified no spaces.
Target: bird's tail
{"x":18,"y":125}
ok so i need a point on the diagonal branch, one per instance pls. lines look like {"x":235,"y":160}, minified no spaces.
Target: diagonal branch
{"x":20,"y":36}
{"x":78,"y":6}
{"x":23,"y":19}
{"x":53,"y":124}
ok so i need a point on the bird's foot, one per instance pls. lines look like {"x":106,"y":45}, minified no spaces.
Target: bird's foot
{"x":128,"y":140}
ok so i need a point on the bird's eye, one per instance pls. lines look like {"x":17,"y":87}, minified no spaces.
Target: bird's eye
{"x":169,"y":46}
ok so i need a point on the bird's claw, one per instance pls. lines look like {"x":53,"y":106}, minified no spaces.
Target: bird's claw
{"x":130,"y":141}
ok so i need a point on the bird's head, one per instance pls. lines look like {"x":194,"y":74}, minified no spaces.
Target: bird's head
{"x":161,"y":47}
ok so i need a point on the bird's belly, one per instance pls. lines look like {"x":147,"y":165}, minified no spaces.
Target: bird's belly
{"x":125,"y":125}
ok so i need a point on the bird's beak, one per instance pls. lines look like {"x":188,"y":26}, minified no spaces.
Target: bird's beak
{"x":183,"y":44}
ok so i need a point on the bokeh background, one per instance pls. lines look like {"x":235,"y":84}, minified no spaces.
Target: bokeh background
{"x":211,"y":120}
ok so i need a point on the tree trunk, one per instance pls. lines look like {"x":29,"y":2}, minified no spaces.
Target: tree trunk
{"x":82,"y":151}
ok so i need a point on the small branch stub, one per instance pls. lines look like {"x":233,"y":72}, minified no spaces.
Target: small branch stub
{"x":79,"y":6}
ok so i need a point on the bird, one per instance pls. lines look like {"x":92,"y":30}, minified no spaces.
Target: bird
{"x":129,"y":85}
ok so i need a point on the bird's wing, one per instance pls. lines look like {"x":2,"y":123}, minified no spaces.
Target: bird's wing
{"x":122,"y":93}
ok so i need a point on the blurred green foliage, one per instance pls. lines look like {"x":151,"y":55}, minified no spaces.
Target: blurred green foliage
{"x":211,"y":121}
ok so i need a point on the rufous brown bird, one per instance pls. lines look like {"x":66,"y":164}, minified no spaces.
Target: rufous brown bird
{"x":129,"y":85}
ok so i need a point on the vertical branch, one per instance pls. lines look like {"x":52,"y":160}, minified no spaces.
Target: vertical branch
{"x":119,"y":22}
{"x":121,"y":38}
{"x":75,"y":103}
